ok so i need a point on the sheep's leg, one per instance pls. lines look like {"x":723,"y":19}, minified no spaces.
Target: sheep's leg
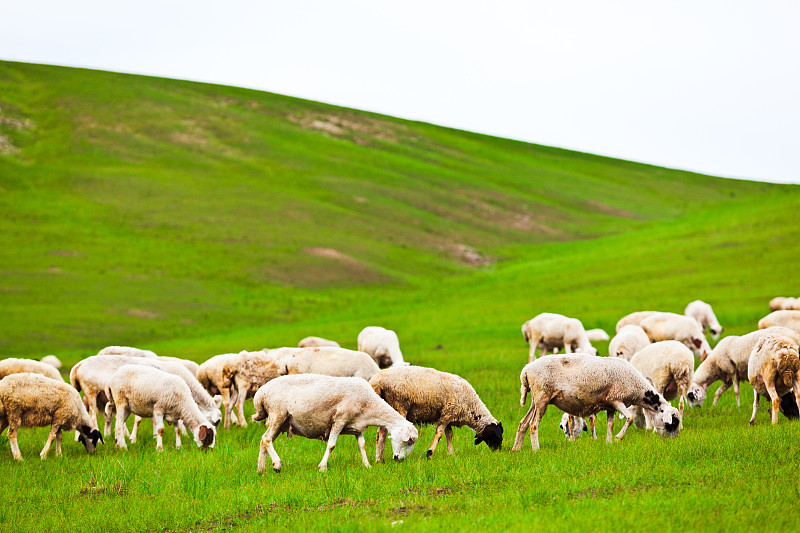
{"x":135,"y":430}
{"x":610,"y":425}
{"x":736,"y":389}
{"x":271,"y":433}
{"x":436,"y":437}
{"x":228,"y":399}
{"x":362,"y":447}
{"x":568,"y":348}
{"x":177,"y":426}
{"x":122,"y":418}
{"x":541,"y":407}
{"x":242,"y":396}
{"x":570,"y":423}
{"x":592,"y":420}
{"x":335,"y":430}
{"x":722,"y":388}
{"x":448,"y":435}
{"x":12,"y":440}
{"x":523,"y":426}
{"x":380,"y":442}
{"x":775,"y":402}
{"x":58,"y":443}
{"x":158,"y":428}
{"x":50,"y":438}
{"x":624,"y":411}
{"x":755,"y":408}
{"x":532,"y":351}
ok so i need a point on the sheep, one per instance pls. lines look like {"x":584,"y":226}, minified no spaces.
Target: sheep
{"x":791,"y":304}
{"x":323,"y":407}
{"x":776,"y":304}
{"x":634,"y":319}
{"x":583,"y":385}
{"x":573,"y":426}
{"x":52,"y":360}
{"x":209,"y":374}
{"x":786,"y":319}
{"x":773,"y":372}
{"x":327,"y":360}
{"x":552,"y":331}
{"x":127,"y":350}
{"x":669,"y":366}
{"x":597,"y":334}
{"x":427,"y":396}
{"x":704,"y":315}
{"x":152,"y":393}
{"x":13,"y":365}
{"x":671,"y":326}
{"x":729,"y":358}
{"x":244,"y":374}
{"x":382,"y":345}
{"x":34,"y":400}
{"x":315,"y":342}
{"x":628,"y":340}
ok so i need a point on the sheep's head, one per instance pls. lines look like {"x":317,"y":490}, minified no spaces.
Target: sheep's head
{"x":700,"y":347}
{"x":89,"y":437}
{"x":492,"y":435}
{"x":696,"y":395}
{"x":403,"y":440}
{"x":666,"y":418}
{"x":204,"y":436}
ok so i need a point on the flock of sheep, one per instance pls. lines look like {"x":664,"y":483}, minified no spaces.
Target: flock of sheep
{"x":320,"y":390}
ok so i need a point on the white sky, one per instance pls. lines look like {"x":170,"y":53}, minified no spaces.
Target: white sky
{"x":710,"y":86}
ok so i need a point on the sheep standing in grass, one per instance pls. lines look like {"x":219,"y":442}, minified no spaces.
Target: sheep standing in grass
{"x":583,"y":385}
{"x":210,"y":377}
{"x":382,"y":345}
{"x":773,"y":372}
{"x":548,"y":331}
{"x":13,"y":365}
{"x":323,"y":407}
{"x":328,"y":361}
{"x":152,"y":393}
{"x":681,"y":328}
{"x":669,"y":365}
{"x":786,"y":319}
{"x":427,"y":396}
{"x":244,"y":374}
{"x":628,"y":340}
{"x":316,"y":342}
{"x":33,"y":400}
{"x":704,"y":315}
{"x":634,"y":319}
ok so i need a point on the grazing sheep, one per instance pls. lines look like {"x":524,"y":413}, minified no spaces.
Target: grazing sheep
{"x":328,"y":361}
{"x":244,"y":374}
{"x":573,"y":426}
{"x":773,"y":372}
{"x":382,"y":345}
{"x":669,"y":366}
{"x":549,"y":331}
{"x":704,"y":315}
{"x":316,"y":342}
{"x":628,"y":340}
{"x":32,"y":400}
{"x":597,"y":334}
{"x":427,"y":396}
{"x":210,"y":376}
{"x":52,"y":360}
{"x":729,"y":359}
{"x":786,"y":319}
{"x":583,"y":385}
{"x":13,"y":365}
{"x":127,"y":350}
{"x":634,"y":319}
{"x":681,"y":328}
{"x":152,"y":393}
{"x":323,"y":407}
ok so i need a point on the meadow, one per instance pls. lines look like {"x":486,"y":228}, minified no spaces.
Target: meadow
{"x":194,"y":219}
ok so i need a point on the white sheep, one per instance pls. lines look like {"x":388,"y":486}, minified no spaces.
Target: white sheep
{"x":323,"y":407}
{"x":551,"y":331}
{"x":773,"y":372}
{"x":634,"y":319}
{"x":152,"y":393}
{"x":583,"y":385}
{"x":669,"y":366}
{"x":681,"y":328}
{"x":786,"y":319}
{"x":427,"y":396}
{"x":326,"y":360}
{"x":704,"y":315}
{"x":52,"y":360}
{"x":628,"y":340}
{"x":597,"y":334}
{"x":13,"y":365}
{"x":244,"y":374}
{"x":315,"y":342}
{"x":127,"y":350}
{"x":33,"y":400}
{"x":381,"y":344}
{"x":209,"y":374}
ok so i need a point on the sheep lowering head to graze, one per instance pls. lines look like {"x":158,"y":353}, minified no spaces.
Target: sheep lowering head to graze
{"x":704,"y":315}
{"x":628,"y":340}
{"x":786,"y":319}
{"x":681,"y":328}
{"x":773,"y":372}
{"x":382,"y":345}
{"x":13,"y":365}
{"x":572,"y":426}
{"x":326,"y":360}
{"x":583,"y":385}
{"x":316,"y":342}
{"x":427,"y":396}
{"x":209,"y":374}
{"x":33,"y":400}
{"x":551,"y":331}
{"x":244,"y":374}
{"x":324,"y":407}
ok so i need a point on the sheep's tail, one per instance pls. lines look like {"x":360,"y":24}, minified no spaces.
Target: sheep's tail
{"x":261,"y":412}
{"x":524,"y":389}
{"x":788,"y":366}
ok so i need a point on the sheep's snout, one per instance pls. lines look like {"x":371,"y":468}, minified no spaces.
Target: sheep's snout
{"x":672,"y":426}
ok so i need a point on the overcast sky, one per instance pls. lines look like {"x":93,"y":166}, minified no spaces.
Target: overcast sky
{"x":710,"y":86}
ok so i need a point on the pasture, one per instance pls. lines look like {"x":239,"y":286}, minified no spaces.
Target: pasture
{"x":188,"y":219}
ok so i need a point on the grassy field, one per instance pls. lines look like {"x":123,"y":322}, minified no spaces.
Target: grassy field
{"x":195,"y":219}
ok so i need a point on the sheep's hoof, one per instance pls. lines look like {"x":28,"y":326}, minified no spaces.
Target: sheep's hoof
{"x":429,"y":454}
{"x":276,"y":469}
{"x":323,"y":468}
{"x":752,"y":422}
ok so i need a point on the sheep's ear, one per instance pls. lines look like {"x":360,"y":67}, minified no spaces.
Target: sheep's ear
{"x":697,"y":343}
{"x":96,"y":435}
{"x":478,"y":439}
{"x":201,"y":433}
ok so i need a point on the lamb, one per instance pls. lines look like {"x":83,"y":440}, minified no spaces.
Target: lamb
{"x":32,"y":400}
{"x":669,"y":366}
{"x":327,"y":360}
{"x":597,"y":334}
{"x":323,"y":407}
{"x":583,"y":385}
{"x":52,"y":360}
{"x":127,"y":350}
{"x":729,"y":359}
{"x":381,"y":344}
{"x":786,"y":319}
{"x":704,"y":315}
{"x":13,"y":365}
{"x":427,"y":396}
{"x":149,"y":392}
{"x":634,"y":319}
{"x":315,"y":342}
{"x":773,"y":372}
{"x":244,"y":374}
{"x":209,"y":374}
{"x":671,"y":326}
{"x":628,"y":340}
{"x":552,"y":331}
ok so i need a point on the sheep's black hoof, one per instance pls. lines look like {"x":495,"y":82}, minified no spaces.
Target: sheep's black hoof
{"x":430,"y":454}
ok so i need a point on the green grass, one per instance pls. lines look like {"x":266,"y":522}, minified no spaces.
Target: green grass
{"x":175,"y":216}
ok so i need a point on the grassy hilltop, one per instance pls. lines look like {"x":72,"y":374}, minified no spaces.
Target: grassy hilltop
{"x":196,"y":219}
